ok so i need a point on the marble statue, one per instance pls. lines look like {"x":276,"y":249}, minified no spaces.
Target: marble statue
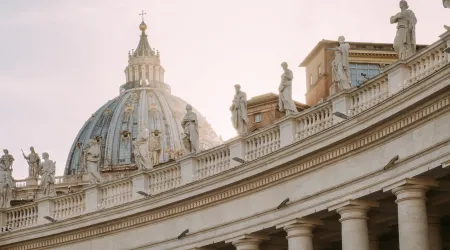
{"x":140,"y":150}
{"x":405,"y":40}
{"x":239,"y":111}
{"x":285,"y":101}
{"x":340,"y":67}
{"x":91,"y":161}
{"x":190,"y":127}
{"x":154,"y":147}
{"x":446,"y":4}
{"x":33,"y":163}
{"x":6,"y":180}
{"x":47,"y":171}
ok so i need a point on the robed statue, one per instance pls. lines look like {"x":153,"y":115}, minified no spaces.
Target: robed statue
{"x":154,"y":147}
{"x":190,"y":128}
{"x":285,"y":102}
{"x":47,"y":171}
{"x":405,"y":40}
{"x":91,"y":156}
{"x":6,"y":180}
{"x":340,"y":66}
{"x":141,"y":149}
{"x":34,"y":161}
{"x":239,"y":111}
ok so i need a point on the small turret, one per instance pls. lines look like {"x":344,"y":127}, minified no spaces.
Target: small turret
{"x":144,"y":68}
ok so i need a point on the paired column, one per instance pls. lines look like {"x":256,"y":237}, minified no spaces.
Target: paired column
{"x":355,"y":232}
{"x":299,"y":233}
{"x":412,"y":213}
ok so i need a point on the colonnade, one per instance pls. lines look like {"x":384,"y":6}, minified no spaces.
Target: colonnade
{"x":418,"y":228}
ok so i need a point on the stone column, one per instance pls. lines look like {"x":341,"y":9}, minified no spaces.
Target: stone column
{"x":412,"y":217}
{"x":434,"y":232}
{"x":355,"y":234}
{"x":299,"y":233}
{"x":248,"y":241}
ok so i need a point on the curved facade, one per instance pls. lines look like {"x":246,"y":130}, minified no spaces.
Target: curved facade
{"x":375,"y":177}
{"x":145,"y":100}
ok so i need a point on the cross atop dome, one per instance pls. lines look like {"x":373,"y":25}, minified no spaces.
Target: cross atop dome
{"x":142,"y":14}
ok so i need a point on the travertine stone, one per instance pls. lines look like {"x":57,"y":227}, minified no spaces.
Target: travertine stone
{"x":412,"y":217}
{"x":288,"y":129}
{"x":44,"y":209}
{"x":238,"y":110}
{"x":285,"y":102}
{"x":141,"y":149}
{"x":405,"y":40}
{"x":33,"y":163}
{"x":190,"y":127}
{"x":374,"y":242}
{"x":47,"y":171}
{"x":248,"y":241}
{"x":91,"y":161}
{"x":300,"y":233}
{"x":188,"y":167}
{"x":237,"y":149}
{"x":6,"y":179}
{"x":140,"y":183}
{"x":92,"y":198}
{"x":355,"y":234}
{"x":340,"y":66}
{"x":398,"y":78}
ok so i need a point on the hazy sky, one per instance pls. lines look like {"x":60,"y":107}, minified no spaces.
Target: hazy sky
{"x":61,"y":60}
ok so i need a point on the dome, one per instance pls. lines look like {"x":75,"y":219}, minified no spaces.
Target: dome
{"x":144,"y":100}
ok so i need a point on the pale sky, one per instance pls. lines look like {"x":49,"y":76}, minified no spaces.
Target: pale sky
{"x":62,"y":59}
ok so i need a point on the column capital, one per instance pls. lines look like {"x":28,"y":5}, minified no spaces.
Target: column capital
{"x":248,"y":241}
{"x":411,"y":181}
{"x":202,"y":248}
{"x":298,"y":222}
{"x":353,"y":203}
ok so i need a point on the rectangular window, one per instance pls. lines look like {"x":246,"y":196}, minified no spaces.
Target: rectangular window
{"x":361,"y":72}
{"x":319,"y":70}
{"x":258,"y":118}
{"x":311,"y":80}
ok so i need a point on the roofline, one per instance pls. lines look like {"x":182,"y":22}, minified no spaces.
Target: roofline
{"x":324,"y":42}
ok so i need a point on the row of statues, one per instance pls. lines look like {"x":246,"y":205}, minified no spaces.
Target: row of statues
{"x":239,"y":117}
{"x":46,"y":169}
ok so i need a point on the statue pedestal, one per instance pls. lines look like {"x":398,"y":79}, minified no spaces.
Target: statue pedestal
{"x":30,"y":181}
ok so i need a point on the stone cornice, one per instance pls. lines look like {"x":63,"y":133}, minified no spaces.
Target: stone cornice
{"x":368,"y":140}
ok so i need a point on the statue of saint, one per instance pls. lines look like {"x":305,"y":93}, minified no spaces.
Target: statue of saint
{"x":140,"y":150}
{"x":405,"y":40}
{"x":7,"y":159}
{"x":239,"y":111}
{"x":155,"y":147}
{"x":33,"y":163}
{"x":285,"y":101}
{"x":190,"y":126}
{"x":6,"y":180}
{"x":91,"y":160}
{"x":47,"y":171}
{"x":340,"y":65}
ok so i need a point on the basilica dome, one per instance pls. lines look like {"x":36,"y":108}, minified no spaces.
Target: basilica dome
{"x":144,"y":101}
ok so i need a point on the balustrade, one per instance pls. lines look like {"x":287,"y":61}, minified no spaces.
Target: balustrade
{"x":165,"y":179}
{"x":262,"y":143}
{"x":20,"y":183}
{"x":22,"y":216}
{"x":213,"y":162}
{"x":116,"y":193}
{"x":368,"y":95}
{"x":68,"y":205}
{"x":314,"y":121}
{"x":427,"y":62}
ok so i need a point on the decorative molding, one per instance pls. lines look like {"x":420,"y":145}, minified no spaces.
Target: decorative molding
{"x":257,"y":183}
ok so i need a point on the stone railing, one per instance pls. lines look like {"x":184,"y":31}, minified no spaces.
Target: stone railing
{"x":190,"y":168}
{"x":20,"y":183}
{"x":427,"y":62}
{"x":116,"y":193}
{"x":68,"y":180}
{"x":68,"y":205}
{"x":164,"y":179}
{"x":314,"y":120}
{"x":22,"y":216}
{"x":262,"y":143}
{"x":213,"y":162}
{"x":368,"y":95}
